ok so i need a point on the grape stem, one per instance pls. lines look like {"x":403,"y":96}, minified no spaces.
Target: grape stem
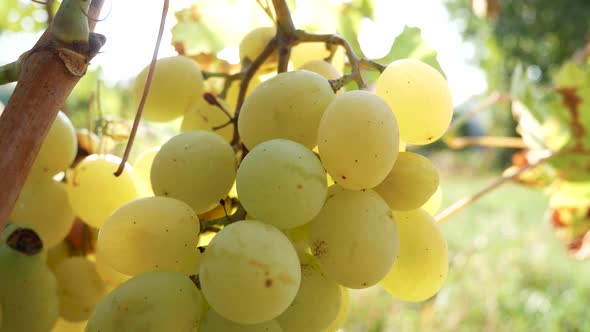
{"x":44,"y":82}
{"x":466,"y":201}
{"x":146,"y":90}
{"x":9,"y":72}
{"x":239,"y":214}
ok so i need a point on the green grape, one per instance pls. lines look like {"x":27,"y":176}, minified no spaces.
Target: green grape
{"x":80,"y":288}
{"x":28,"y":290}
{"x":289,"y":105}
{"x":58,"y":149}
{"x":317,"y":302}
{"x":95,"y":192}
{"x":422,"y":261}
{"x":358,"y":140}
{"x":343,"y":311}
{"x":282,"y":183}
{"x":433,"y":204}
{"x":141,"y":171}
{"x":254,"y":42}
{"x":176,"y":85}
{"x":57,"y":254}
{"x":305,"y":52}
{"x":213,"y":322}
{"x":354,"y":237}
{"x":250,"y":272}
{"x":43,"y":203}
{"x":411,"y":182}
{"x":204,"y":116}
{"x":324,"y":68}
{"x":420,"y":99}
{"x":151,"y":302}
{"x":149,"y":234}
{"x":110,"y":276}
{"x":63,"y":325}
{"x":197,"y":167}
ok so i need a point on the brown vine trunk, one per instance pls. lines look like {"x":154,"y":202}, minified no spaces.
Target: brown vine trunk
{"x":43,"y":86}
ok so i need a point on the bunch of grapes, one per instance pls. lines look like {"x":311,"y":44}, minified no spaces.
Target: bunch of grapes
{"x":256,"y":220}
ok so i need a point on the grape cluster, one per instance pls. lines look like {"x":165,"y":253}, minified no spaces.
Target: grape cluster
{"x":202,"y":234}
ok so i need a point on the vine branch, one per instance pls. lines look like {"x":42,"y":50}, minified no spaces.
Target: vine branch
{"x":463,"y":203}
{"x":46,"y":78}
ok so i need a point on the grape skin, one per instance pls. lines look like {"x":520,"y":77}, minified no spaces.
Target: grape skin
{"x":354,"y":237}
{"x":151,"y":302}
{"x":95,"y":192}
{"x":80,"y":288}
{"x":289,"y":105}
{"x":213,"y":322}
{"x":420,"y":98}
{"x":422,"y":263}
{"x":150,"y":234}
{"x":43,"y":203}
{"x":58,"y":149}
{"x":282,"y":183}
{"x":197,"y":167}
{"x":411,"y":182}
{"x":317,"y":302}
{"x":141,"y":171}
{"x":358,"y":140}
{"x":250,"y":272}
{"x":165,"y":101}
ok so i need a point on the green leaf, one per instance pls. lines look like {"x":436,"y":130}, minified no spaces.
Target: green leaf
{"x":409,"y":44}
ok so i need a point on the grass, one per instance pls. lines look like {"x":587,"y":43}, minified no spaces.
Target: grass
{"x":508,"y":272}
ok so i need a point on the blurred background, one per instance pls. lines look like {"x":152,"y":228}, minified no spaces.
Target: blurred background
{"x":515,"y":266}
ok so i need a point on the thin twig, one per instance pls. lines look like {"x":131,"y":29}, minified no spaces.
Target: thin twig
{"x":240,"y":214}
{"x":487,"y":141}
{"x":463,"y":203}
{"x":146,"y":90}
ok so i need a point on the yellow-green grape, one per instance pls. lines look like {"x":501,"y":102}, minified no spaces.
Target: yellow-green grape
{"x":149,"y":234}
{"x":151,"y":302}
{"x":411,"y":182}
{"x":197,"y":167}
{"x":282,"y":183}
{"x":80,"y":288}
{"x":254,"y":42}
{"x":43,"y":203}
{"x":354,"y":237}
{"x":57,"y":254}
{"x":358,"y":140}
{"x":28,"y":290}
{"x":141,"y":171}
{"x":63,"y":325}
{"x":324,"y":68}
{"x":204,"y":116}
{"x":305,"y":52}
{"x":176,"y":85}
{"x":95,"y":192}
{"x":58,"y":149}
{"x":213,"y":322}
{"x":342,"y":312}
{"x":110,"y":276}
{"x":433,"y":204}
{"x":250,"y":272}
{"x":422,"y":260}
{"x":317,"y":302}
{"x":233,"y":91}
{"x":420,"y":98}
{"x":289,"y":105}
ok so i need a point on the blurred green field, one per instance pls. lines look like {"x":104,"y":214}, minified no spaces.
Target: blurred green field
{"x":508,"y":272}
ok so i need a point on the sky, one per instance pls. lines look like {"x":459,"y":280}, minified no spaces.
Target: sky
{"x":131,"y":35}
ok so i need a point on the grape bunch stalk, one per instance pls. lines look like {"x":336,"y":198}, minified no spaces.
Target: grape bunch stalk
{"x":278,"y":195}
